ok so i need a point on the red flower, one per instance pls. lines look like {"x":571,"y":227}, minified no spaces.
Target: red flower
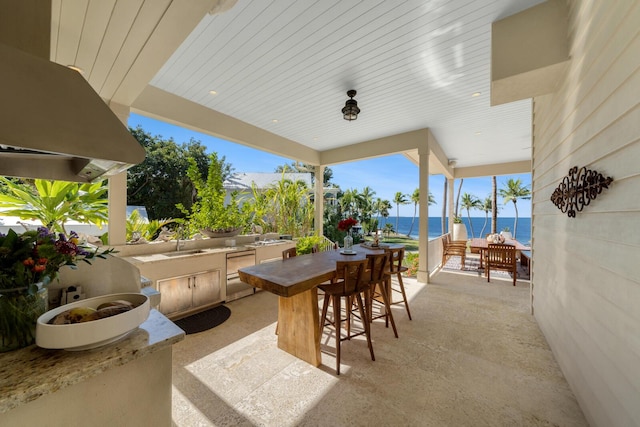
{"x":346,"y":224}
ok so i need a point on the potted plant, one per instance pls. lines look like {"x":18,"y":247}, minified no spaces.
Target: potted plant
{"x":506,"y":233}
{"x":209,"y":214}
{"x":459,"y":229}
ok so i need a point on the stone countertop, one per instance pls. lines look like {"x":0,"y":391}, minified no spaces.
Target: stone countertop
{"x":174,"y":255}
{"x":31,"y":372}
{"x":198,"y":252}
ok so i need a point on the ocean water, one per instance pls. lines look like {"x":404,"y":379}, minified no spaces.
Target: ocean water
{"x":404,"y":224}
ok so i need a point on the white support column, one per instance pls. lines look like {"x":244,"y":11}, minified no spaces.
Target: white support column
{"x":450,"y":190}
{"x":423,"y":218}
{"x":319,"y":201}
{"x":118,"y":192}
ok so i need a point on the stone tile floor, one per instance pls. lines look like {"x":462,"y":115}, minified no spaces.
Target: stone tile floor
{"x":473,"y":355}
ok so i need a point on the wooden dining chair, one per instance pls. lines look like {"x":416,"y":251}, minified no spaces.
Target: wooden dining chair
{"x":396,"y":268}
{"x":350,"y":283}
{"x":453,"y":248}
{"x":289,"y":253}
{"x":500,"y":256}
{"x":379,"y":282}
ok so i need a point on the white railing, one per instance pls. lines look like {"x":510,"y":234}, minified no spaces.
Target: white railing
{"x":327,"y":245}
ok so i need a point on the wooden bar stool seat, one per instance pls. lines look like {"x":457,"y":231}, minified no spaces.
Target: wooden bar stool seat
{"x":380,"y":283}
{"x":350,"y":283}
{"x":396,"y":268}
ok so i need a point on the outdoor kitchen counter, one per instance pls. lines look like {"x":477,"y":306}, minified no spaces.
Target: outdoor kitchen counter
{"x":31,"y":375}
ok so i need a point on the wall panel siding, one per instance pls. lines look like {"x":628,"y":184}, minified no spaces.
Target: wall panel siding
{"x":586,"y":286}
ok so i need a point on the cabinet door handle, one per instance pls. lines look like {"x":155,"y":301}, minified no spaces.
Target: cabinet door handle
{"x":189,"y":283}
{"x":194,"y":282}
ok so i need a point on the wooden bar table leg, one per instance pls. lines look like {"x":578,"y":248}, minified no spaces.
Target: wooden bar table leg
{"x":299,"y":326}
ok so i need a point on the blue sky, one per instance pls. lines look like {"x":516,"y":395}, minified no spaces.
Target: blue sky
{"x":385,"y":175}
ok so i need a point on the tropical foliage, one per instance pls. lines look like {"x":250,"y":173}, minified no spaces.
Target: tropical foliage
{"x":54,"y":203}
{"x":161,"y":182}
{"x":305,"y":244}
{"x":209,"y":211}
{"x":285,"y":207}
{"x":147,"y":229}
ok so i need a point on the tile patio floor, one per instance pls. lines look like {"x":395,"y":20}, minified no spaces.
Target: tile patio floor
{"x":472,"y":356}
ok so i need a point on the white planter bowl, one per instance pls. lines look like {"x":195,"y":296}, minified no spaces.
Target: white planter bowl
{"x":95,"y":333}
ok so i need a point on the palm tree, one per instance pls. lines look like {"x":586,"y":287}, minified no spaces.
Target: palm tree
{"x":511,"y":193}
{"x":415,"y":198}
{"x":444,"y":208}
{"x":385,"y":205}
{"x":399,"y":199}
{"x":470,"y":202}
{"x":458,"y":197}
{"x":348,"y":202}
{"x":486,"y":206}
{"x":388,"y":229}
{"x":366,"y":207}
{"x":494,"y":205}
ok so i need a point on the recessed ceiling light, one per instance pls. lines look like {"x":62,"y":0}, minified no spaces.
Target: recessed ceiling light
{"x":75,"y":68}
{"x":213,"y":92}
{"x":275,"y":120}
{"x":474,"y":94}
{"x":478,"y":133}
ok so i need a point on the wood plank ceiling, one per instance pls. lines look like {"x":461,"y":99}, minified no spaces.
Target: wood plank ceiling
{"x":415,"y":64}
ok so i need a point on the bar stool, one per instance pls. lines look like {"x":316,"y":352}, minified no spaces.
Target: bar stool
{"x":395,"y":267}
{"x":378,"y":279}
{"x":350,"y":282}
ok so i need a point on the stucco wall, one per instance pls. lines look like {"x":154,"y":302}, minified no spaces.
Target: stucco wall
{"x":586,"y":285}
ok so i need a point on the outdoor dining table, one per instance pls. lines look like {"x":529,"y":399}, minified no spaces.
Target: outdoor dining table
{"x":296,"y":281}
{"x":481,"y":245}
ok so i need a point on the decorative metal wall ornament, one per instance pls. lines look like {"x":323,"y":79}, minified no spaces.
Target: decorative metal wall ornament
{"x":578,"y":189}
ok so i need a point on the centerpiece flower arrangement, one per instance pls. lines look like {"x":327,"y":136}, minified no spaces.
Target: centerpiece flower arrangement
{"x":346,"y":225}
{"x":28,"y":263}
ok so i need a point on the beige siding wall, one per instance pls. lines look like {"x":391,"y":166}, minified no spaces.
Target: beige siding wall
{"x":586,"y":280}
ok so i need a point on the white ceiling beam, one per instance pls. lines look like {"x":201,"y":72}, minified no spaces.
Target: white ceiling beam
{"x":170,"y":108}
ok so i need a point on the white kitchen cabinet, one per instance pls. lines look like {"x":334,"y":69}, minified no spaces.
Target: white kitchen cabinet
{"x":183,"y":294}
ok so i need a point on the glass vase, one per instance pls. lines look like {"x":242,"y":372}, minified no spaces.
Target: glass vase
{"x":19,"y":312}
{"x":348,"y":242}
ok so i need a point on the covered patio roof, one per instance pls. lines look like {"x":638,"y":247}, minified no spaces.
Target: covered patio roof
{"x":280,"y":72}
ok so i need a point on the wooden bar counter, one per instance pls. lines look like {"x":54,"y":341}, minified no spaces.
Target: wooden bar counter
{"x":295,"y":281}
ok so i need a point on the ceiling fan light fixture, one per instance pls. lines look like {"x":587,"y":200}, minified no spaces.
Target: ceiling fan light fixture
{"x":350,"y":111}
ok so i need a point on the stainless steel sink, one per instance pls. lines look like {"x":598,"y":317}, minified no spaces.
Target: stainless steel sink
{"x":183,"y":253}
